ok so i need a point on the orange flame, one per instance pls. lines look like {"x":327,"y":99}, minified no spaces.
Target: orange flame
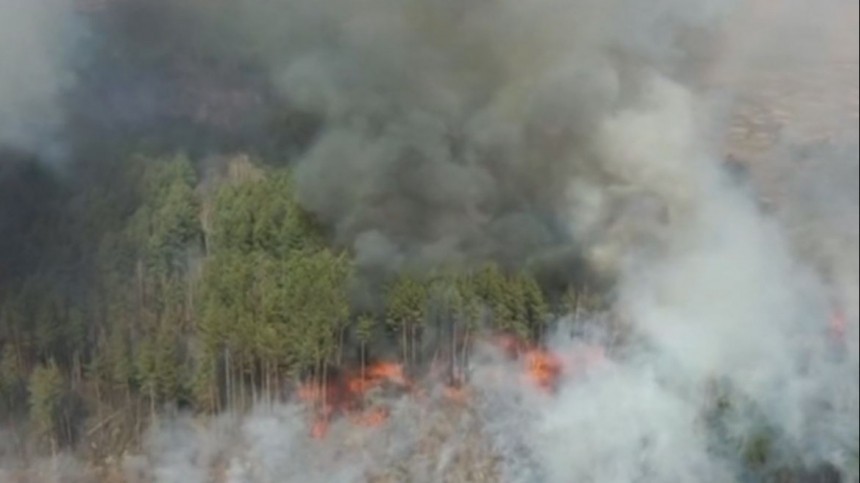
{"x":543,"y":368}
{"x":344,"y":394}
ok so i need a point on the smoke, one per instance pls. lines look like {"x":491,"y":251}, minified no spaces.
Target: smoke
{"x":272,"y":443}
{"x":721,"y":296}
{"x":36,"y":40}
{"x":457,"y":131}
{"x":723,"y":301}
{"x":451,"y":130}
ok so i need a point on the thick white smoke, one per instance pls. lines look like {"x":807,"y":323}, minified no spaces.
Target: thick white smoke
{"x":722,"y":301}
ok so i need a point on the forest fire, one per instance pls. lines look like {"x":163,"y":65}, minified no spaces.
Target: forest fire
{"x":346,"y":394}
{"x":542,"y":367}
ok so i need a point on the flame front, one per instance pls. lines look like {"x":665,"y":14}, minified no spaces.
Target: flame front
{"x":346,"y":394}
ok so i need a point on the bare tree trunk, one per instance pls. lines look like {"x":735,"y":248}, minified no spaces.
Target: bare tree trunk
{"x":227,"y":375}
{"x":97,"y":385}
{"x":267,"y":381}
{"x":316,"y":383}
{"x":241,"y":371}
{"x":341,"y":336}
{"x":253,"y":384}
{"x":362,"y":355}
{"x":152,"y":401}
{"x":413,"y":343}
{"x":464,"y":360}
{"x":324,"y":387}
{"x":452,"y":358}
{"x":76,"y":369}
{"x":277,"y":382}
{"x":405,"y":346}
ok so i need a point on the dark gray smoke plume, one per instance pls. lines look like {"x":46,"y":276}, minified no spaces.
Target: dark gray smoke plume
{"x":451,"y":131}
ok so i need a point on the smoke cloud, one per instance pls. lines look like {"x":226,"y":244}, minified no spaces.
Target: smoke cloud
{"x":451,"y":131}
{"x":36,"y":40}
{"x":459,"y":131}
{"x":723,"y":302}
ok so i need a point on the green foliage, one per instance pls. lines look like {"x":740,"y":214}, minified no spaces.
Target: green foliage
{"x":167,"y":221}
{"x":468,"y":305}
{"x":580,"y":302}
{"x":46,"y":388}
{"x":364,"y":328}
{"x":262,"y":216}
{"x":204,"y":383}
{"x":406,"y":300}
{"x":535,"y":307}
{"x":11,"y":375}
{"x":316,"y":295}
{"x":217,"y":291}
{"x":756,"y":451}
{"x":405,"y":311}
{"x":146,"y":368}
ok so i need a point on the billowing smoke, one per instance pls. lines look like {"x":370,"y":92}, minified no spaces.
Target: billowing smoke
{"x":451,"y":131}
{"x":456,"y":131}
{"x":721,"y":304}
{"x":36,"y":45}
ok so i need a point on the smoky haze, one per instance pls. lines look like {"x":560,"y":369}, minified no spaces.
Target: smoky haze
{"x":451,"y":131}
{"x":544,"y":131}
{"x":442,"y":133}
{"x":35,"y":46}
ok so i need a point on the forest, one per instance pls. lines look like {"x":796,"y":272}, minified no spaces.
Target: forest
{"x":163,"y":262}
{"x":215,"y":295}
{"x":210,"y":209}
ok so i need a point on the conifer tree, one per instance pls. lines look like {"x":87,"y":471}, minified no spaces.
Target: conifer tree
{"x":46,"y":395}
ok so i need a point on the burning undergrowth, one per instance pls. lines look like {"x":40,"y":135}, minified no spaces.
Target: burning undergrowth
{"x":373,"y":424}
{"x":577,"y":406}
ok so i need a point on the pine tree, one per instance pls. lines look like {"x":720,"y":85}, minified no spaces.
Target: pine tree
{"x":147,"y":371}
{"x":490,"y":286}
{"x":514,"y":318}
{"x":11,"y":376}
{"x":536,"y":308}
{"x":364,"y":328}
{"x":204,"y":384}
{"x":406,"y":300}
{"x":167,"y":370}
{"x":46,"y":390}
{"x":468,"y":311}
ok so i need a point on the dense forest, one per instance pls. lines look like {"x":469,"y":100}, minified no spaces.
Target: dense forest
{"x":212,"y":294}
{"x":147,"y":268}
